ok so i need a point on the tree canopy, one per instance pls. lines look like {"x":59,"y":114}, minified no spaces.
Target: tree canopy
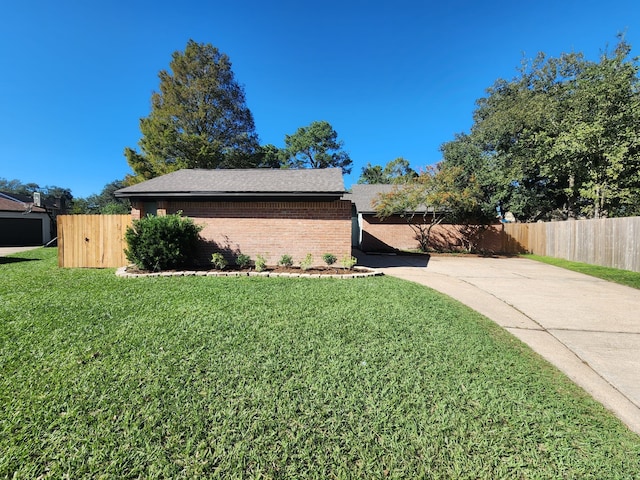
{"x":198,"y":119}
{"x":315,"y":146}
{"x":396,"y":171}
{"x":103,"y":203}
{"x":428,"y":199}
{"x":560,"y":140}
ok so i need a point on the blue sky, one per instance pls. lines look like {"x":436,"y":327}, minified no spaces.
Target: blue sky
{"x":395,"y":79}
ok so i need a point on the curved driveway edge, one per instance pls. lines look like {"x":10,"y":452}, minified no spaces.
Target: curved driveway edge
{"x":587,"y":327}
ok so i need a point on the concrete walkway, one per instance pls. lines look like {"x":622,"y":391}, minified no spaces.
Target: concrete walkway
{"x":588,"y":328}
{"x":4,"y":251}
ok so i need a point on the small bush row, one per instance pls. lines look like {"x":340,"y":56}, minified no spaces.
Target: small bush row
{"x":244,"y":261}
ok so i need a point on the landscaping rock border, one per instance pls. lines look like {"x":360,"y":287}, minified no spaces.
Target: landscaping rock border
{"x":359,"y":272}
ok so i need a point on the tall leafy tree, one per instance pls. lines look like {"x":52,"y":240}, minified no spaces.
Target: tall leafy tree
{"x":315,"y":146}
{"x":396,"y":171}
{"x":464,"y":157}
{"x":510,"y":127}
{"x":559,"y":140}
{"x":600,"y":135}
{"x":198,"y":119}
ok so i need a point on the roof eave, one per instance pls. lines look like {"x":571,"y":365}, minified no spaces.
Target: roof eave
{"x":227,"y":194}
{"x":408,"y":212}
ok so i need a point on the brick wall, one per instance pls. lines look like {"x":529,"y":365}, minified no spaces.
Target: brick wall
{"x":268,"y":228}
{"x":394,"y":233}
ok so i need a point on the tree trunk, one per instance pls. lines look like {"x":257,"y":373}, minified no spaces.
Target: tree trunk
{"x":570,"y":198}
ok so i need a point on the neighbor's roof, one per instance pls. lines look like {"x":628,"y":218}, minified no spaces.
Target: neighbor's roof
{"x":240,"y":182}
{"x":365,"y":196}
{"x":10,"y":203}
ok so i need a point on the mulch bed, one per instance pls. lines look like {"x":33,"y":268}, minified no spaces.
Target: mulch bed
{"x":269,"y":271}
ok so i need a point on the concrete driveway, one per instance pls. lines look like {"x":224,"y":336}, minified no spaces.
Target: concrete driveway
{"x":588,"y":328}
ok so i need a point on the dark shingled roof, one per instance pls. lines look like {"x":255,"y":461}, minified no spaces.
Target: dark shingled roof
{"x":364,"y":196}
{"x":18,"y":203}
{"x":240,"y":182}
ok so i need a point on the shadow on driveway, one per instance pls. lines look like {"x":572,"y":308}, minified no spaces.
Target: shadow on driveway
{"x":391,"y":260}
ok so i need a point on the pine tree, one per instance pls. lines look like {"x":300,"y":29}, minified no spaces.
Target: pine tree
{"x":198,"y":119}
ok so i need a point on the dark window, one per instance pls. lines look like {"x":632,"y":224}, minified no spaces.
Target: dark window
{"x":150,"y":208}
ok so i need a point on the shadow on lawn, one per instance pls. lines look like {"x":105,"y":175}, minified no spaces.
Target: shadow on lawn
{"x":4,"y":260}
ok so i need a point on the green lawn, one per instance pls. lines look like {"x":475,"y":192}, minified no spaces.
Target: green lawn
{"x":203,"y":377}
{"x":624,"y":277}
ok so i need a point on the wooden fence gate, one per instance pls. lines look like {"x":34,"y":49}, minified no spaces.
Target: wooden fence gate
{"x":93,"y":241}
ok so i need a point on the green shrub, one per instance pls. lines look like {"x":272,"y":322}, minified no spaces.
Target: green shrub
{"x":218,"y":261}
{"x":243,"y":261}
{"x":329,"y":258}
{"x":307,"y":262}
{"x":261,"y":263}
{"x":161,"y":243}
{"x":347,"y":262}
{"x":286,"y":260}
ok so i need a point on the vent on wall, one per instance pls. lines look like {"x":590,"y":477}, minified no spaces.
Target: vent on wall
{"x":37,"y":199}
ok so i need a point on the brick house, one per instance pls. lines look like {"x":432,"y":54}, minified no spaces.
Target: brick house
{"x":372,"y":234}
{"x":269,"y":212}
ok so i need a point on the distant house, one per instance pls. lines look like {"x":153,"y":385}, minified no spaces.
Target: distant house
{"x":22,"y":222}
{"x":270,"y":212}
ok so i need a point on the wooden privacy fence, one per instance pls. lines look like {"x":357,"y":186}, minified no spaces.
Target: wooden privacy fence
{"x":94,"y":241}
{"x":609,"y":242}
{"x":97,"y":241}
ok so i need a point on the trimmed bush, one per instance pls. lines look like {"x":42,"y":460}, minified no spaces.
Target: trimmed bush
{"x":347,"y":262}
{"x":286,"y":260}
{"x":329,"y":259}
{"x":307,"y":263}
{"x":162,"y":243}
{"x":243,"y":260}
{"x":218,"y":261}
{"x":261,"y":263}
